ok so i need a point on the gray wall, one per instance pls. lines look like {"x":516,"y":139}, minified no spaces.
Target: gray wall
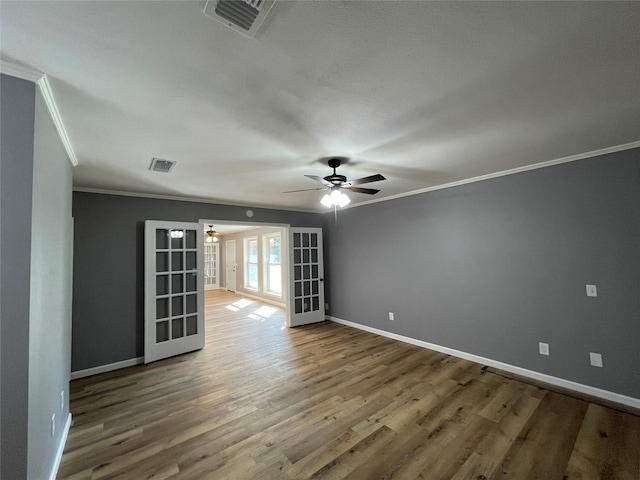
{"x":108,"y":277}
{"x":17,"y":106}
{"x":50,"y":305}
{"x":35,"y":252}
{"x":494,"y":267}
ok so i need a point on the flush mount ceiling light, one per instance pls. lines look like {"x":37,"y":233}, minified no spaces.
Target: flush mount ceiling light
{"x":212,"y":235}
{"x":177,"y":233}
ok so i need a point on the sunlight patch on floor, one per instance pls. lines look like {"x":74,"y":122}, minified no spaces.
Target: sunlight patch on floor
{"x":265,"y":311}
{"x":239,"y":305}
{"x":262,"y":313}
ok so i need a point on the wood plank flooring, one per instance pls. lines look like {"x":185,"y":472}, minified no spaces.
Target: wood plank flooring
{"x":330,"y":402}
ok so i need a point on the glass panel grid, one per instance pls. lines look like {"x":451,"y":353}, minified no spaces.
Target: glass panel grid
{"x":306,"y":273}
{"x":176,"y":284}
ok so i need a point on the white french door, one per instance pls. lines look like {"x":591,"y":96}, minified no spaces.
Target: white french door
{"x":174,"y":289}
{"x":306,"y":276}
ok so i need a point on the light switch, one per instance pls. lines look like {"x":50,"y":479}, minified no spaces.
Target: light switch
{"x":591,"y":291}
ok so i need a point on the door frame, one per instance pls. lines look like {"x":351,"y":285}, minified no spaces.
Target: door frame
{"x":285,"y":271}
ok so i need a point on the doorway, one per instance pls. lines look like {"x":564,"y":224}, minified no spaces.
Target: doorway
{"x":260,"y":262}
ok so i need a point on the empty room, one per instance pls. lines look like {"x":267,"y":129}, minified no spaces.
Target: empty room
{"x":277,"y":239}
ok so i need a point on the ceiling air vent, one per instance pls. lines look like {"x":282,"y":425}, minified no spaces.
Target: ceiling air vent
{"x":245,"y":16}
{"x":159,"y":165}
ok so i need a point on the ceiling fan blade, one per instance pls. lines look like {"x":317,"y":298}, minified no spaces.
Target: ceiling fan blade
{"x":369,"y":191}
{"x":320,"y":179}
{"x":305,"y":190}
{"x":371,"y":178}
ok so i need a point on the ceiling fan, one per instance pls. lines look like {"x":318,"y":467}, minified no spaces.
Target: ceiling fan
{"x":335,"y":182}
{"x":212,"y":235}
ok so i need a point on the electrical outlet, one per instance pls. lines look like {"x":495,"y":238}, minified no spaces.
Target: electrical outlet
{"x":326,"y":306}
{"x":543,"y":348}
{"x":592,"y":291}
{"x":53,"y":425}
{"x":391,"y":316}
{"x":595,"y":359}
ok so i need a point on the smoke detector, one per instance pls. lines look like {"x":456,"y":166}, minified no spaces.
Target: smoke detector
{"x":163,"y":166}
{"x":244,"y":16}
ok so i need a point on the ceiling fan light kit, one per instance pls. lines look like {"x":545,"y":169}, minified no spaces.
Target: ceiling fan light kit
{"x":336,"y":198}
{"x":212,"y":235}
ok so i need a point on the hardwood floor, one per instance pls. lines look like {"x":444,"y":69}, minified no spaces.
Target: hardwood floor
{"x":329,"y":402}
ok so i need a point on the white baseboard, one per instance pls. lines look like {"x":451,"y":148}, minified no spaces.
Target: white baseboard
{"x":60,"y":450}
{"x":106,"y":368}
{"x":541,"y":377}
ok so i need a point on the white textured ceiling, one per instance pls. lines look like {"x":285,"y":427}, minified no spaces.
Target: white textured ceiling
{"x":426,"y":93}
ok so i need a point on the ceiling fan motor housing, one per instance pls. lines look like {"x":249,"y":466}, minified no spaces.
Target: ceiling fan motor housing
{"x":335,"y":178}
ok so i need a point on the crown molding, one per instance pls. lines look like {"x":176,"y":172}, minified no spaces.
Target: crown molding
{"x":20,"y":71}
{"x":47,"y":94}
{"x":42,"y":81}
{"x":504,"y":173}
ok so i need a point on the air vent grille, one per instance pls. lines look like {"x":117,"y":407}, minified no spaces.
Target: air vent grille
{"x":240,"y":13}
{"x":159,"y":165}
{"x":245,"y":16}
